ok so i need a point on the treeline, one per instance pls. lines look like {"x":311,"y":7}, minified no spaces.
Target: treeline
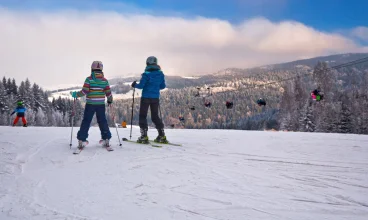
{"x":344,"y":108}
{"x":40,"y":110}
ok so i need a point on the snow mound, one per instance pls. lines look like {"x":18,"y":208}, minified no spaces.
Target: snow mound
{"x":216,"y":174}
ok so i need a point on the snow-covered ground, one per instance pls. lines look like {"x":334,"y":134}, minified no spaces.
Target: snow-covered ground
{"x":63,"y":94}
{"x":216,"y":174}
{"x":190,"y":77}
{"x":61,"y":86}
{"x":128,"y":95}
{"x":222,"y":89}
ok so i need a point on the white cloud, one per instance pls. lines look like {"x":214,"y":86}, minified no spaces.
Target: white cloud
{"x":361,"y":32}
{"x":58,"y":48}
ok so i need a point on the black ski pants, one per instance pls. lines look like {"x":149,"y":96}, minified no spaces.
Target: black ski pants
{"x":154,"y":105}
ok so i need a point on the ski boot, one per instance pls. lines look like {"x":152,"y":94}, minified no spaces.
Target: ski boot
{"x":161,"y":138}
{"x":106,"y":144}
{"x":25,"y":125}
{"x":82,"y":144}
{"x":143,"y":139}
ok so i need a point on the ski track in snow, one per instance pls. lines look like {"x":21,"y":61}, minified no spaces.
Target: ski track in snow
{"x":215,"y":175}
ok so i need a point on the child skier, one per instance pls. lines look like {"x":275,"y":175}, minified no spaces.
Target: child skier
{"x":95,"y":87}
{"x":152,"y":81}
{"x":20,"y":110}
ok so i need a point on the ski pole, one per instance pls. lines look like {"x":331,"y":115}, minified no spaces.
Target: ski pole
{"x":71,"y":134}
{"x":113,"y":120}
{"x":131,"y":118}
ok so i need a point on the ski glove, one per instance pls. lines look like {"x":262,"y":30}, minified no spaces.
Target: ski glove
{"x":109,"y":103}
{"x":74,"y":94}
{"x":134,"y":83}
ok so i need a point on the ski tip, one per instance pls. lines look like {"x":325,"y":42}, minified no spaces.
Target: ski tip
{"x":158,"y":146}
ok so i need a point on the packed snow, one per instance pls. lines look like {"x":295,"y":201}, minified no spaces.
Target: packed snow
{"x":216,"y":174}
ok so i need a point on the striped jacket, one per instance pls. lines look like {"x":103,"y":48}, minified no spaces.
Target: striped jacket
{"x":96,"y":87}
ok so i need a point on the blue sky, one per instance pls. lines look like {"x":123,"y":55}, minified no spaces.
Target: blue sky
{"x":326,"y":15}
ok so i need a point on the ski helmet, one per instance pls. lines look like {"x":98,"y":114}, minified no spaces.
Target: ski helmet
{"x":97,"y":65}
{"x":19,"y":103}
{"x":151,"y":60}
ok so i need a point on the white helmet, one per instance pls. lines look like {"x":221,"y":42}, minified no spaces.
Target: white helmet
{"x":97,"y":65}
{"x":151,"y":60}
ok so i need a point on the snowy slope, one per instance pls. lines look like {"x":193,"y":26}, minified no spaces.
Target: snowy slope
{"x":217,"y":174}
{"x":129,"y":95}
{"x":66,"y":95}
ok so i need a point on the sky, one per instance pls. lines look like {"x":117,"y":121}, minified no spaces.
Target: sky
{"x":54,"y":42}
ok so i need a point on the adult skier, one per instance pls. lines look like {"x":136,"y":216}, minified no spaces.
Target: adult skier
{"x":152,"y":81}
{"x":21,"y":111}
{"x":95,"y":87}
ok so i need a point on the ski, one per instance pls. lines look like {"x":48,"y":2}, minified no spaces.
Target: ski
{"x":81,"y":146}
{"x":109,"y":148}
{"x":77,"y":151}
{"x":149,"y":143}
{"x":173,"y":144}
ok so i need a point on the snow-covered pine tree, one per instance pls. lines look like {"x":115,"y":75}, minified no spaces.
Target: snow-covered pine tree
{"x":345,"y":123}
{"x":306,"y":121}
{"x":40,"y":118}
{"x":29,"y":100}
{"x":3,"y":99}
{"x":14,"y":87}
{"x":9,"y":86}
{"x":4,"y":83}
{"x":38,"y":96}
{"x":22,"y":92}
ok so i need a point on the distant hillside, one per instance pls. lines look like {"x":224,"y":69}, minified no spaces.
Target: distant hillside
{"x":244,"y":86}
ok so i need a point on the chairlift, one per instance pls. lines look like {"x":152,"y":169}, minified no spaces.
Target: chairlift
{"x":261,"y":102}
{"x":229,"y":105}
{"x":197,"y":94}
{"x":208,"y":104}
{"x":316,"y":95}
